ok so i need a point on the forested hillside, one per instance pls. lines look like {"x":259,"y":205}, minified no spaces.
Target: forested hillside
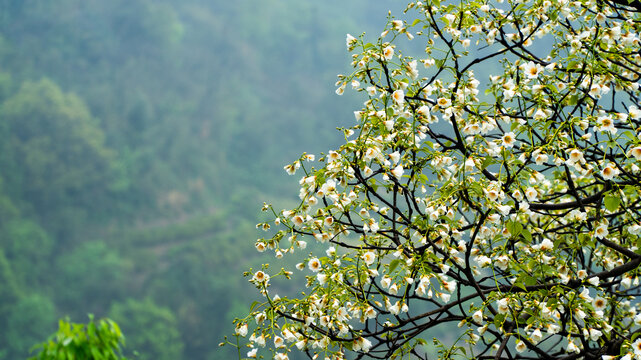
{"x":138,"y":139}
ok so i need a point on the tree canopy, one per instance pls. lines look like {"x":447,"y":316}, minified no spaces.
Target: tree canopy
{"x":485,"y":205}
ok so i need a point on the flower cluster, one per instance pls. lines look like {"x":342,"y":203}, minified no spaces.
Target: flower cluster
{"x":491,"y":183}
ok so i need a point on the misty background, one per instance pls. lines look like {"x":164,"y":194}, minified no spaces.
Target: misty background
{"x":138,"y":141}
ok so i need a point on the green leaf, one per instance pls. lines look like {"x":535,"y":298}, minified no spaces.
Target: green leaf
{"x":514,"y":227}
{"x":67,"y":341}
{"x":393,"y":265}
{"x":531,"y":320}
{"x":253,"y":305}
{"x":416,"y":21}
{"x":611,"y":202}
{"x":530,"y":281}
{"x":520,"y":285}
{"x":486,"y":162}
{"x":498,"y":320}
{"x":96,"y":355}
{"x":630,"y":135}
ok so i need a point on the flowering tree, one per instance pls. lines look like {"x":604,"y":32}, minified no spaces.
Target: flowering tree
{"x":489,"y":187}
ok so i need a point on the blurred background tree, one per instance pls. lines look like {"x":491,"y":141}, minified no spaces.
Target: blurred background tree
{"x":137,"y":141}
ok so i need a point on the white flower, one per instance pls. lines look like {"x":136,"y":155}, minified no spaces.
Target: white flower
{"x":349,"y":40}
{"x":553,"y":328}
{"x":444,"y":297}
{"x":388,"y":53}
{"x":626,"y":282}
{"x":576,"y":156}
{"x":636,"y":152}
{"x":634,"y":112}
{"x":478,"y":316}
{"x":365,"y":345}
{"x":289,"y":336}
{"x":636,"y":347}
{"x":483,"y":260}
{"x":536,"y":335}
{"x":634,"y":229}
{"x":502,"y":306}
{"x":605,"y":123}
{"x":241,"y":330}
{"x":450,"y":19}
{"x":444,"y":103}
{"x":370,"y":313}
{"x":314,"y":265}
{"x":412,"y":70}
{"x":449,"y":286}
{"x":399,"y":96}
{"x":322,"y":278}
{"x":398,"y":171}
{"x":260,"y":277}
{"x":531,"y":194}
{"x":252,"y":353}
{"x":540,"y":159}
{"x":371,"y":90}
{"x":547,"y":244}
{"x":394,"y":309}
{"x":572,"y":348}
{"x":369,"y":258}
{"x":291,"y":168}
{"x":279,"y":342}
{"x":609,"y":172}
{"x":532,"y":70}
{"x":517,"y":195}
{"x":508,"y":140}
{"x":520,"y":346}
{"x":395,"y":157}
{"x":260,"y":340}
{"x":361,"y":344}
{"x":298,"y":220}
{"x":601,"y":231}
{"x":424,"y":110}
{"x":595,"y":334}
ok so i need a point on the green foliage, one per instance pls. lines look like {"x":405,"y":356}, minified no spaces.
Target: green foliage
{"x":9,"y":291}
{"x":53,"y":150}
{"x":100,"y":340}
{"x":153,"y":331}
{"x":92,"y":276}
{"x":29,"y":246}
{"x":29,"y":321}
